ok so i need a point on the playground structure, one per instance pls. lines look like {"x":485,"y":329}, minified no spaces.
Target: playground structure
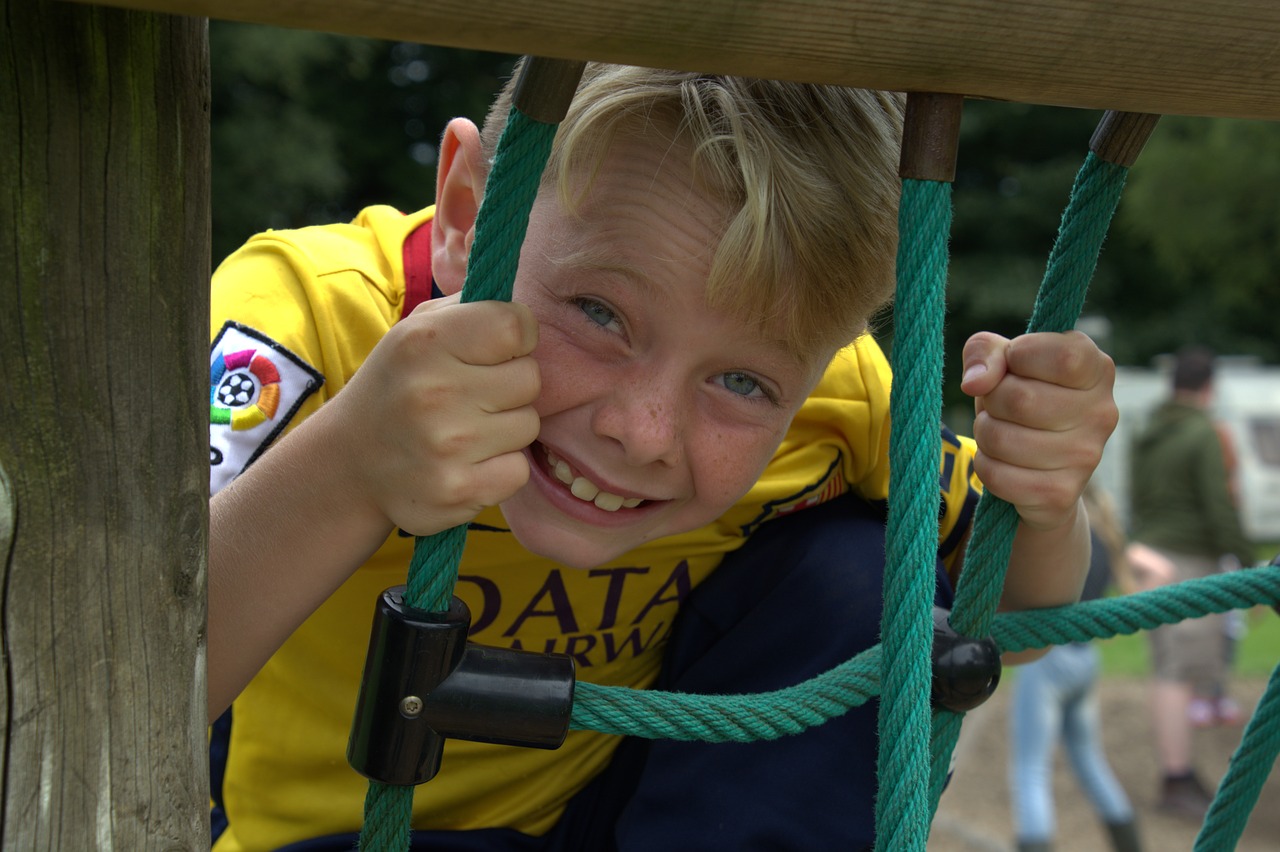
{"x":103,"y":328}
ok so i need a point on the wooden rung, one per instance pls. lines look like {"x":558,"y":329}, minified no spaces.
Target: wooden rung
{"x":1186,"y":57}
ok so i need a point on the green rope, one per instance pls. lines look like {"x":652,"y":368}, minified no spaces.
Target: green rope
{"x":386,"y":823}
{"x":903,"y":813}
{"x":915,"y":409}
{"x":687,"y":716}
{"x":1250,"y":764}
{"x":1083,"y":228}
{"x":656,"y":714}
{"x":1094,"y":198}
{"x":1121,"y":616}
{"x":501,"y":222}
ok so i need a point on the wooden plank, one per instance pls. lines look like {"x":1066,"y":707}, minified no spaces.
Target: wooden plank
{"x":104,"y":235}
{"x":1191,"y":57}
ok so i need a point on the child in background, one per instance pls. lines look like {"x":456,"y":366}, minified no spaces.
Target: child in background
{"x":671,"y":449}
{"x":1055,"y":699}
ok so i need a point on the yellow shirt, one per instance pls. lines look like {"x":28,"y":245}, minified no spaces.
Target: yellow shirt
{"x":294,"y":313}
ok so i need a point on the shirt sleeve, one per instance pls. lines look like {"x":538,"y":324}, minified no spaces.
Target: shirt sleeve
{"x":959,"y":489}
{"x":264,"y":357}
{"x":293,"y":315}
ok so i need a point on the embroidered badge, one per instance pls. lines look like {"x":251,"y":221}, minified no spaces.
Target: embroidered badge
{"x":255,"y":387}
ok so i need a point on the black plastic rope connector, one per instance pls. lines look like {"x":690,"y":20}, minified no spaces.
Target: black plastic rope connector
{"x":966,"y":671}
{"x":423,"y":682}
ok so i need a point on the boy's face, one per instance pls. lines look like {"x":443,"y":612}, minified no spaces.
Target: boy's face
{"x":657,"y":412}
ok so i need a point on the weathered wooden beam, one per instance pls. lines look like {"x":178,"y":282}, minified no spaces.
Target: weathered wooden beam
{"x":1189,"y":57}
{"x":104,"y":301}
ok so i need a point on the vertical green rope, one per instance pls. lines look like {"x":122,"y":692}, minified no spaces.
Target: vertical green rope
{"x":1094,"y":198}
{"x":911,"y":550}
{"x":501,"y":222}
{"x":1246,"y":773}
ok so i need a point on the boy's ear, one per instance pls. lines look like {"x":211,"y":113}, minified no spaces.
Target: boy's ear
{"x":460,"y":178}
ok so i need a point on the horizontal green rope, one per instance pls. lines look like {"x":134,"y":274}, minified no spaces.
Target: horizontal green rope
{"x":1107,"y":617}
{"x":656,"y":714}
{"x":743,"y":718}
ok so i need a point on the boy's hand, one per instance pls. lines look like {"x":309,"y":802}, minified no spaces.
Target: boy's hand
{"x":1151,"y":569}
{"x":1044,"y":410}
{"x":435,"y":419}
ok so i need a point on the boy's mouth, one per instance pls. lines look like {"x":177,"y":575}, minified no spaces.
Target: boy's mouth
{"x":584,"y":489}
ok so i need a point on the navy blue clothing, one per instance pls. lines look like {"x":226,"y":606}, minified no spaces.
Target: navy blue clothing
{"x":803,"y":595}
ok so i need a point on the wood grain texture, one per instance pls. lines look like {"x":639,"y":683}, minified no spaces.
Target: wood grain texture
{"x":104,"y":235}
{"x":1157,"y":56}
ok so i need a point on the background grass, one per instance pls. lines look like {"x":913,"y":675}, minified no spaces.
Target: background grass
{"x":1257,"y":654}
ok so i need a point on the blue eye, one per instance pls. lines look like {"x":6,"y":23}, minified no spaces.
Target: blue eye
{"x":597,"y":313}
{"x":741,"y":384}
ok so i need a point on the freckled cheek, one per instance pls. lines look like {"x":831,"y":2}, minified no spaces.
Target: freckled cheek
{"x":726,"y":468}
{"x":568,"y":380}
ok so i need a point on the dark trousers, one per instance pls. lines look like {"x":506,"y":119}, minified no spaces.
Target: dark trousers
{"x":802,"y":596}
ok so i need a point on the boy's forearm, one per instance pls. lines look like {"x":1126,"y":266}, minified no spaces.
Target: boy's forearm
{"x":1048,"y":567}
{"x":283,"y":536}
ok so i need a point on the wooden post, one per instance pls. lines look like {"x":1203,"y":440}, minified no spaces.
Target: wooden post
{"x":104,"y":246}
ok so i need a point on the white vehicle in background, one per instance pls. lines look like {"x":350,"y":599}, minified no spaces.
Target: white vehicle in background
{"x":1246,"y":404}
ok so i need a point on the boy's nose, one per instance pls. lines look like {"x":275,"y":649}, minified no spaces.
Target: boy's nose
{"x":644,"y":415}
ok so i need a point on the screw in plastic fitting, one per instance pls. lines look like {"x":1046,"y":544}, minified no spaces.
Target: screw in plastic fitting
{"x":411,"y":707}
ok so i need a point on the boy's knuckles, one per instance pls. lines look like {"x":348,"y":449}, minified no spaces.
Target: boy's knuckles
{"x":455,"y":441}
{"x":1070,"y":363}
{"x":1039,"y":496}
{"x":527,"y":376}
{"x":509,"y":327}
{"x":503,"y":476}
{"x":1016,"y":400}
{"x":523,"y":427}
{"x":456,"y":487}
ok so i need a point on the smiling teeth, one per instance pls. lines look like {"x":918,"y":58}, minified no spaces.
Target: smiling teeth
{"x":587,"y":491}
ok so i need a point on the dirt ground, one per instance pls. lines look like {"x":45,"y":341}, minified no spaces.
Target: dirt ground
{"x":974,"y":814}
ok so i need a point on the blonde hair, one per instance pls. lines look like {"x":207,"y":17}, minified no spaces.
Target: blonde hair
{"x":1105,"y":522}
{"x":808,"y":174}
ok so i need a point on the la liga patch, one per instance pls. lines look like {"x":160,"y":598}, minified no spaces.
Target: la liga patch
{"x":255,"y":387}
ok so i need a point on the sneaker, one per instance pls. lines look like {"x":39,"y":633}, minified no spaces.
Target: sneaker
{"x":1184,"y":796}
{"x":1228,"y":712}
{"x":1201,"y":712}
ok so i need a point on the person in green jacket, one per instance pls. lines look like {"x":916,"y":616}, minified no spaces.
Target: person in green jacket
{"x":1182,"y":510}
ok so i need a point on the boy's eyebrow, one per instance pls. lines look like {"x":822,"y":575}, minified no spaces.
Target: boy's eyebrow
{"x":602,"y":260}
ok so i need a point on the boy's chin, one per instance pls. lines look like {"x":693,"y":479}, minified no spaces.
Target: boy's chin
{"x":569,"y":552}
{"x":567,"y":548}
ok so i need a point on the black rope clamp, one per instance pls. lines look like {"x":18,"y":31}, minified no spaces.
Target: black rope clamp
{"x":965,"y":671}
{"x":423,"y":682}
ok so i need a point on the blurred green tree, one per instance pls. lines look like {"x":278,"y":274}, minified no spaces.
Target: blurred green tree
{"x":310,"y":127}
{"x":1201,"y":223}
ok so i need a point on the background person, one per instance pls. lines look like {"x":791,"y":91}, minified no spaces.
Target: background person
{"x":1182,"y":509}
{"x":1055,"y":699}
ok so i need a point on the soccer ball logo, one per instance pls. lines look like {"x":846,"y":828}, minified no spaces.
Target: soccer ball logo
{"x":244,"y":389}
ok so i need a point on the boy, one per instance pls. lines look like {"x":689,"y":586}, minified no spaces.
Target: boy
{"x":674,"y":375}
